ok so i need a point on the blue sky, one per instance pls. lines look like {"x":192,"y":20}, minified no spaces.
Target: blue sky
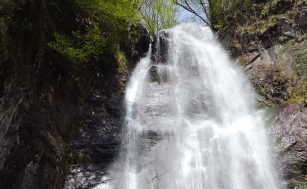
{"x":186,"y":16}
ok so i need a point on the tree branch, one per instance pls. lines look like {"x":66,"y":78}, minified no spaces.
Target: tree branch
{"x":189,"y":8}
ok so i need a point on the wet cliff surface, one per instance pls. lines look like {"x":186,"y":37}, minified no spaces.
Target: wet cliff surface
{"x":288,"y":135}
{"x":56,"y":127}
{"x":38,"y":118}
{"x":280,"y":85}
{"x":52,"y":120}
{"x":268,"y":39}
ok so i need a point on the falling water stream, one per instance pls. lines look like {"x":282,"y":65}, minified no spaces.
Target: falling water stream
{"x":191,"y":122}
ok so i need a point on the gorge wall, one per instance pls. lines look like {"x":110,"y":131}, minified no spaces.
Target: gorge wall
{"x":53,"y":122}
{"x":268,"y":39}
{"x":44,"y":111}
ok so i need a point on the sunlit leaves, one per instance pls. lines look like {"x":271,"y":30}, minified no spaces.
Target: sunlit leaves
{"x":104,"y":20}
{"x":78,"y":48}
{"x":158,"y":14}
{"x":109,"y":9}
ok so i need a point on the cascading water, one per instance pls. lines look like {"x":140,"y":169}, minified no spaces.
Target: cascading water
{"x":191,"y":122}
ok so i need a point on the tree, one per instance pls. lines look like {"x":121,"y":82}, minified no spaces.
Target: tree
{"x":100,"y":32}
{"x":203,"y":9}
{"x":212,"y":12}
{"x":75,"y":30}
{"x":158,"y":14}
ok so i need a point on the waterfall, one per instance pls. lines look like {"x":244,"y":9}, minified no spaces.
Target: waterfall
{"x":191,"y":121}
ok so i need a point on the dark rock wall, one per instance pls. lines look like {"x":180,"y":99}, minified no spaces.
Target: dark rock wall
{"x":50,"y":119}
{"x":97,"y":143}
{"x":39,"y":115}
{"x":160,"y":47}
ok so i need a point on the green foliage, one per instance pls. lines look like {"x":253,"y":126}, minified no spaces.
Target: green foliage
{"x":300,"y":184}
{"x":297,"y":91}
{"x":259,"y":26}
{"x":75,"y":29}
{"x":217,"y":9}
{"x":112,"y":11}
{"x":299,"y":53}
{"x":220,"y":9}
{"x":79,"y":31}
{"x":158,"y":14}
{"x":78,"y":48}
{"x":121,"y":60}
{"x":104,"y":21}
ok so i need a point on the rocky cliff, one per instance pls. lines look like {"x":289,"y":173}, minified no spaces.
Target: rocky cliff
{"x":268,"y":38}
{"x":52,"y":120}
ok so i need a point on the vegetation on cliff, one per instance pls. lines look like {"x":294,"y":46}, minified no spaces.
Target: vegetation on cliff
{"x":66,"y":36}
{"x":268,"y":37}
{"x":76,"y":30}
{"x":61,"y":61}
{"x":251,"y":29}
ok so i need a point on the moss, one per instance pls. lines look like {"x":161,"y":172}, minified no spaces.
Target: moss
{"x":237,"y":45}
{"x":268,"y":23}
{"x":299,"y":54}
{"x":272,"y":103}
{"x":121,"y":60}
{"x":299,"y":182}
{"x":278,"y":141}
{"x":261,"y":105}
{"x":298,"y":93}
{"x":267,"y":8}
{"x":258,"y":27}
{"x":297,"y":90}
{"x":278,"y":51}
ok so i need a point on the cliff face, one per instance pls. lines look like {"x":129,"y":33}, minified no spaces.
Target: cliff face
{"x":50,"y":119}
{"x":269,"y":40}
{"x":39,"y":113}
{"x":263,"y":24}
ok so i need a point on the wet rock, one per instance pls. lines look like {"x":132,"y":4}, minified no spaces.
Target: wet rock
{"x":140,"y":39}
{"x":50,"y":122}
{"x":160,"y":47}
{"x":154,"y":76}
{"x":97,"y":143}
{"x":86,"y":176}
{"x":36,"y":119}
{"x":289,"y":135}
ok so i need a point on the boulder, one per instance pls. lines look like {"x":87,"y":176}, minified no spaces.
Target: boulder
{"x":289,"y":133}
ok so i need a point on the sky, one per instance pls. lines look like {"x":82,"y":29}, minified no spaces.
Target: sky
{"x":186,"y":16}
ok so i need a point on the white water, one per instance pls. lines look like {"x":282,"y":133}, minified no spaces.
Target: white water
{"x":197,"y":128}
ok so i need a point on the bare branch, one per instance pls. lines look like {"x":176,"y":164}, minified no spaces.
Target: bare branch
{"x":185,"y":5}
